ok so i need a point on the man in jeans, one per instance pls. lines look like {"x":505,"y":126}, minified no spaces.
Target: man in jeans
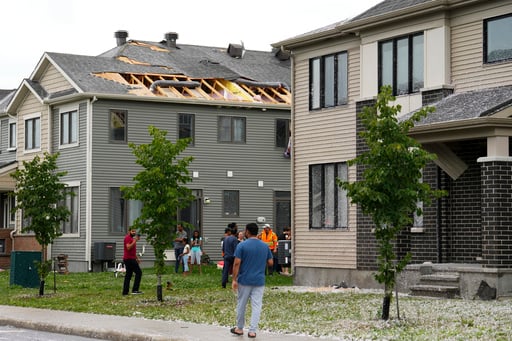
{"x":228,"y":250}
{"x":178,"y":246}
{"x":131,"y":262}
{"x":252,"y":256}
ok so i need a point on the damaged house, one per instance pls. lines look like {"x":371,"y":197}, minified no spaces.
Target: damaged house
{"x":234,"y":104}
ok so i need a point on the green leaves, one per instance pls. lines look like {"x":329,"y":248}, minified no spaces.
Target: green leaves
{"x":160,"y":186}
{"x":391,"y":184}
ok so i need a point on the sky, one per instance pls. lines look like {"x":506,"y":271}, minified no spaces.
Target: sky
{"x":28,"y":28}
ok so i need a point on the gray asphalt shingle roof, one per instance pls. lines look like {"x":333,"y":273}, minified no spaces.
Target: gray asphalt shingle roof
{"x":189,"y":60}
{"x":468,"y":105}
{"x":388,"y":6}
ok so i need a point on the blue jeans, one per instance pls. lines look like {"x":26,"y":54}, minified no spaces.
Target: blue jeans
{"x":227,"y":269}
{"x":177,"y":253}
{"x":255,"y":293}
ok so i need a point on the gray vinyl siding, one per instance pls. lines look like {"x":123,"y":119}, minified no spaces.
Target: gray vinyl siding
{"x":72,"y":160}
{"x":113,"y":164}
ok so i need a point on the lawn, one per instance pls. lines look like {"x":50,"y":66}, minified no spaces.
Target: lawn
{"x":350,"y":314}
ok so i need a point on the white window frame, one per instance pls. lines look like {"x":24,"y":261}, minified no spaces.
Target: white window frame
{"x":68,"y":110}
{"x":28,"y":118}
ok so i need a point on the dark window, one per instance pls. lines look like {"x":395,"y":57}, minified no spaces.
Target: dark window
{"x":69,"y":127}
{"x":122,"y":212}
{"x":71,"y":202}
{"x":33,"y":133}
{"x":328,"y":203}
{"x":230,"y":203}
{"x":401,"y":64}
{"x":118,"y":125}
{"x":328,"y":83}
{"x":12,"y":135}
{"x":497,"y":39}
{"x":2,"y":245}
{"x":282,"y":132}
{"x":231,"y":129}
{"x":186,"y":126}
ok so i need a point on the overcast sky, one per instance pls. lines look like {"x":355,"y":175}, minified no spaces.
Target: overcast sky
{"x":28,"y":28}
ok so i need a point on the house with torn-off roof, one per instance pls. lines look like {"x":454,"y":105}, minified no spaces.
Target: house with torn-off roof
{"x":453,"y":55}
{"x":234,"y":104}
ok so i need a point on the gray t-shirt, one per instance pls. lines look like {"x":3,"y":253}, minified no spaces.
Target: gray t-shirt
{"x":181,"y":235}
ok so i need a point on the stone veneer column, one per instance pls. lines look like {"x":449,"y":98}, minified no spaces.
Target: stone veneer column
{"x":496,"y":211}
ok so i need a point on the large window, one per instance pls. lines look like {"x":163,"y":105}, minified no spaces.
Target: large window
{"x":328,"y":83}
{"x":71,"y":202}
{"x":231,"y":129}
{"x":186,"y":126}
{"x":69,"y":127}
{"x":122,"y":212}
{"x":33,"y":133}
{"x":401,"y":64}
{"x":497,"y":41}
{"x":118,"y":125}
{"x":12,"y":135}
{"x":328,"y":203}
{"x":282,"y":132}
{"x":231,"y":203}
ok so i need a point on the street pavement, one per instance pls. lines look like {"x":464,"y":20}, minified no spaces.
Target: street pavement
{"x":120,"y":328}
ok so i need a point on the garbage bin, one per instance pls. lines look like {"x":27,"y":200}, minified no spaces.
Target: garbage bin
{"x":24,"y":269}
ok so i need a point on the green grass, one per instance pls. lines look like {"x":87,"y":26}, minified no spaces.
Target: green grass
{"x":346,"y":314}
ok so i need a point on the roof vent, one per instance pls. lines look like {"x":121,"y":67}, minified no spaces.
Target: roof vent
{"x":121,"y":37}
{"x":236,"y":50}
{"x":170,"y":38}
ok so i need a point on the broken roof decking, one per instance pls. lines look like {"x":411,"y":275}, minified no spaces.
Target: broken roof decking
{"x":187,"y":72}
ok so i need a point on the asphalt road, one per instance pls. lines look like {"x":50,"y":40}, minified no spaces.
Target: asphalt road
{"x":19,"y":334}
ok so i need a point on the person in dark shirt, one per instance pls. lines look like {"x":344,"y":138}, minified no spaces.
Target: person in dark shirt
{"x":228,"y":250}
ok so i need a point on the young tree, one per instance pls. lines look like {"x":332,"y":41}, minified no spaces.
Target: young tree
{"x":391,"y":184}
{"x":160,"y":186}
{"x":39,"y":195}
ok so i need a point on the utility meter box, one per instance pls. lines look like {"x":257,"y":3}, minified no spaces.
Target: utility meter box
{"x":24,"y":268}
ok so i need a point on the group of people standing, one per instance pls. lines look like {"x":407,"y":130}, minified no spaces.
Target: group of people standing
{"x":248,"y":256}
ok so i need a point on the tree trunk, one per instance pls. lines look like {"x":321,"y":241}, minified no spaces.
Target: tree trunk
{"x":159,"y":296}
{"x":41,"y":288}
{"x":386,"y":305}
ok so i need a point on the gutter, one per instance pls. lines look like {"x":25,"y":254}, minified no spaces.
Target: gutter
{"x":87,"y":96}
{"x":88,"y":184}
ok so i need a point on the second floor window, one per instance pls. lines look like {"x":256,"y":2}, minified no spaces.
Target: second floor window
{"x":118,"y":125}
{"x":401,"y":64}
{"x":497,"y":41}
{"x":12,"y":135}
{"x":328,"y":81}
{"x":186,"y":126}
{"x":328,"y":203}
{"x":231,"y":129}
{"x":69,"y":127}
{"x":33,"y":133}
{"x":282,"y":132}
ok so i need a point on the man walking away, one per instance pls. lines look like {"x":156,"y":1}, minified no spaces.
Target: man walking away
{"x":131,"y":262}
{"x":251,"y":258}
{"x":228,"y":250}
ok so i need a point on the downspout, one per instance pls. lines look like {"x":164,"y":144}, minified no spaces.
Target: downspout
{"x":439,"y":228}
{"x":13,"y":232}
{"x":48,"y":255}
{"x":88,"y":186}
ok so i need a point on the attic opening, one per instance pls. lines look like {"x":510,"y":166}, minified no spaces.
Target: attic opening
{"x":181,"y":86}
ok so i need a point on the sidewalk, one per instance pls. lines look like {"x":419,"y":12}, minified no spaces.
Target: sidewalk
{"x":119,"y":328}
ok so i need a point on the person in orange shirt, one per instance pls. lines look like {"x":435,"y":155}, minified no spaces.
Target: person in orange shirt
{"x":270,"y":238}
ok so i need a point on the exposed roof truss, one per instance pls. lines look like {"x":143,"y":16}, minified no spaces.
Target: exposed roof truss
{"x":180,"y":86}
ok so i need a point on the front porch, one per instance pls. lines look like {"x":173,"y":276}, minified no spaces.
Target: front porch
{"x":467,"y":281}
